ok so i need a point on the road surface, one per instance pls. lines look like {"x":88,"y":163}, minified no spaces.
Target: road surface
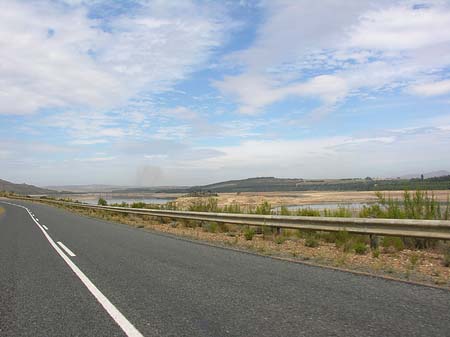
{"x":67,"y":275}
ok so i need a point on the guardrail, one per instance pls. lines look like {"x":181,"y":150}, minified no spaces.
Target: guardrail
{"x":431,"y":229}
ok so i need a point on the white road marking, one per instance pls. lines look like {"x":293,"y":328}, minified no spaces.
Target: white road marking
{"x":116,"y":315}
{"x":36,"y":219}
{"x":68,"y":251}
{"x":45,"y":227}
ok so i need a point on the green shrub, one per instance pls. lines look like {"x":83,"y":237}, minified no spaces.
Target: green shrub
{"x":341,"y":212}
{"x":414,"y":259}
{"x":311,"y":242}
{"x":139,"y":204}
{"x":376,"y":253}
{"x":360,"y":248}
{"x":102,"y":202}
{"x":279,"y":239}
{"x":249,"y":233}
{"x":307,"y":212}
{"x":342,"y":238}
{"x":284,"y":211}
{"x":233,"y":208}
{"x":264,"y":208}
{"x":210,"y":205}
{"x":210,"y":227}
{"x":393,"y":242}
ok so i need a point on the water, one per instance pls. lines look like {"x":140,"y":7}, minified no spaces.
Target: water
{"x":158,"y":201}
{"x":330,"y":206}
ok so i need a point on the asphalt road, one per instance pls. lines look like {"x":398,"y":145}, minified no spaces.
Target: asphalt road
{"x":130,"y":281}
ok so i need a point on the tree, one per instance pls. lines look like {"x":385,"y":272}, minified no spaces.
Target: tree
{"x":102,"y":202}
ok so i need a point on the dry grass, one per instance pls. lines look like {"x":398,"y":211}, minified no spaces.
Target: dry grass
{"x":252,"y":199}
{"x":417,"y":265}
{"x":2,"y":210}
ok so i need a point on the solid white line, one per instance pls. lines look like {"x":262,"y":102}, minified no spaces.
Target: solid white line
{"x":68,"y":251}
{"x":116,"y":315}
{"x":45,"y":227}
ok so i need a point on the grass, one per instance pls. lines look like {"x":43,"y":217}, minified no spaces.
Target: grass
{"x":360,"y":248}
{"x":311,"y":242}
{"x":249,"y":233}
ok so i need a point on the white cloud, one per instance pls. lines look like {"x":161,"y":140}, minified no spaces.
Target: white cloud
{"x":432,"y":89}
{"x":57,"y":57}
{"x":331,"y":50}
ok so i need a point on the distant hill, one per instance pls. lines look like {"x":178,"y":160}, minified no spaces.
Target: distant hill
{"x":272,"y":184}
{"x":87,"y":188}
{"x":23,"y":188}
{"x":433,"y":174}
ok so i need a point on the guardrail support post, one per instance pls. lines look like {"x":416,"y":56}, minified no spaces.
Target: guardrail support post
{"x":278,"y":230}
{"x":374,"y":241}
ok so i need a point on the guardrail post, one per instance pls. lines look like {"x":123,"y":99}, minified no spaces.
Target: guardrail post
{"x":374,"y":241}
{"x":278,"y":230}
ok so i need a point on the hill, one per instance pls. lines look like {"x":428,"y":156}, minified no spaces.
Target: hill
{"x":272,"y":184}
{"x":23,"y":189}
{"x":433,"y":174}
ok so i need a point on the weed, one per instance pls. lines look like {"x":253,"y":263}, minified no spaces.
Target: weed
{"x":264,"y":208}
{"x":393,"y":242}
{"x":376,"y":253}
{"x":249,"y":233}
{"x":211,"y":227}
{"x":311,"y":242}
{"x":307,"y":212}
{"x":413,"y":260}
{"x":342,"y":239}
{"x":279,"y":239}
{"x":360,"y":248}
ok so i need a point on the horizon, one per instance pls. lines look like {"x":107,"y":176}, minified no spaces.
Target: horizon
{"x":152,"y":93}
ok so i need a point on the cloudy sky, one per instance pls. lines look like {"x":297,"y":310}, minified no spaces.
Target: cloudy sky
{"x":139,"y":92}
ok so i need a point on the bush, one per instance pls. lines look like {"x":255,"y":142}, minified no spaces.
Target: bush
{"x":311,"y":242}
{"x":210,"y":227}
{"x":376,"y":253}
{"x":393,"y":242}
{"x":139,"y":204}
{"x":209,"y":205}
{"x":249,"y":233}
{"x":342,"y":238}
{"x":102,"y":202}
{"x":307,"y":212}
{"x":279,"y":239}
{"x":264,"y":208}
{"x":360,"y":248}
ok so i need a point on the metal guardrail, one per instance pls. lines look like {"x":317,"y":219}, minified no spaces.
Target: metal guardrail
{"x":432,"y":229}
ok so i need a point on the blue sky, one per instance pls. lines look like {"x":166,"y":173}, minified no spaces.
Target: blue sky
{"x":148,"y":93}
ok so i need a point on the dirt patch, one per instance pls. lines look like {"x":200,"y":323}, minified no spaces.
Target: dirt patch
{"x":251,"y":199}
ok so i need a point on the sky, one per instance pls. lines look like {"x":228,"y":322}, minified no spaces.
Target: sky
{"x":153,"y":93}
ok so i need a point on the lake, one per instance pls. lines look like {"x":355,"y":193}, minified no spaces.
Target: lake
{"x":330,"y":206}
{"x":158,"y":201}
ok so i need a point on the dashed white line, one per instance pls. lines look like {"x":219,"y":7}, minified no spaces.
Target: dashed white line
{"x":45,"y":227}
{"x":68,"y":251}
{"x":116,"y":315}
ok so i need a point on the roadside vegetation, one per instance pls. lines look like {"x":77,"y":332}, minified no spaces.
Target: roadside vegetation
{"x":422,"y":260}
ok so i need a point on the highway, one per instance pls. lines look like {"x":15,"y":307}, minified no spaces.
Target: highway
{"x":62,"y":274}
